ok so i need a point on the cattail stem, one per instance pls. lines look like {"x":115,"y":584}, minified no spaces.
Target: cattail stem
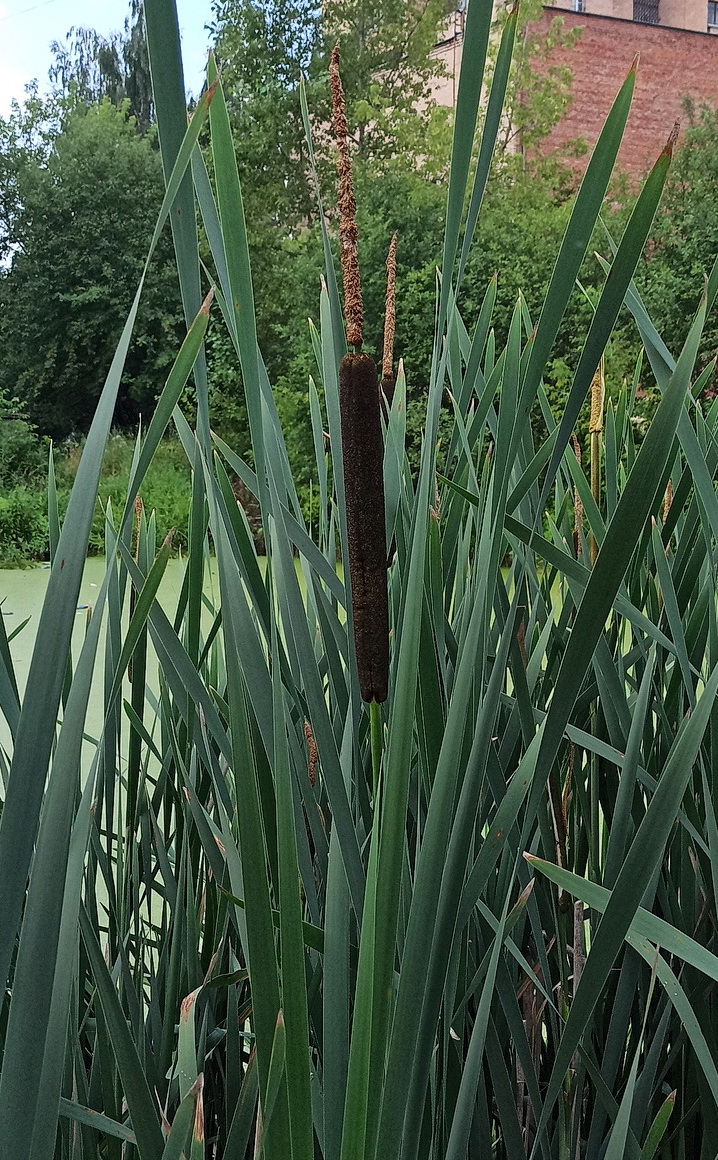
{"x":376,"y":743}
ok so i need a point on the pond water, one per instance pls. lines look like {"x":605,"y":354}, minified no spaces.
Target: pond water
{"x":22,"y":592}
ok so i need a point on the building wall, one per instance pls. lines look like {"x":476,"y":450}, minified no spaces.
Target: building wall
{"x":690,"y":14}
{"x":674,"y":62}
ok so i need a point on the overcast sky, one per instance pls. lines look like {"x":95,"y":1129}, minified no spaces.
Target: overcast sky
{"x":27,"y":28}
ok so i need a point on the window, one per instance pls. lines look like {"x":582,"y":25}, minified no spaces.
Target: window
{"x":580,"y":5}
{"x":713,"y":13}
{"x":645,"y":11}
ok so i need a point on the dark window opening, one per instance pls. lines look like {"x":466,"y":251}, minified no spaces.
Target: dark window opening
{"x":645,"y":11}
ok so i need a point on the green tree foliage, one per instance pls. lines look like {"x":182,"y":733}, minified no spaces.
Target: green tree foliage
{"x":397,"y":132}
{"x":263,"y":50}
{"x":388,"y":71}
{"x":115,"y":67}
{"x":684,"y":241}
{"x":401,"y":148}
{"x":81,"y":222}
{"x":539,"y":91}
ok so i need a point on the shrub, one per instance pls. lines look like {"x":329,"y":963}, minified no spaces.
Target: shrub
{"x":23,"y":526}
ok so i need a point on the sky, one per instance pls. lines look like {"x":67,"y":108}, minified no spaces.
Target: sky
{"x":27,"y":28}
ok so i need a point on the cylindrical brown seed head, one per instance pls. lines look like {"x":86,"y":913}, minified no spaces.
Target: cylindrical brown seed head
{"x":363,"y":458}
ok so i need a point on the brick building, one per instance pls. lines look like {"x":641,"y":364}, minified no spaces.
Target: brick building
{"x":678,"y":48}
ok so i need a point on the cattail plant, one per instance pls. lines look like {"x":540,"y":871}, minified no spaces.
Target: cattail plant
{"x":577,"y":503}
{"x":272,"y":963}
{"x":387,"y":361}
{"x":362,"y":445}
{"x":595,"y":427}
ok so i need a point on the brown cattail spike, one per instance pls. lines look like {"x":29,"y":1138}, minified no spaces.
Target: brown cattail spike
{"x":577,"y":505}
{"x":313,"y":753}
{"x":667,"y":500}
{"x":595,"y":427}
{"x":353,"y":306}
{"x":363,"y":459}
{"x":598,"y":389}
{"x":387,"y":362}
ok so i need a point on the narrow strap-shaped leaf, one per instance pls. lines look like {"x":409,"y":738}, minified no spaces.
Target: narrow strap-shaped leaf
{"x":578,"y":233}
{"x":608,"y":307}
{"x":168,"y":90}
{"x":492,"y":121}
{"x":142,"y":1108}
{"x":471,"y":76}
{"x":36,"y":727}
{"x":81,"y":1115}
{"x":637,"y":870}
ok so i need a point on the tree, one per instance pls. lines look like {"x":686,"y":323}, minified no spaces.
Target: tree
{"x":401,"y":148}
{"x":263,"y":50}
{"x":539,"y":90}
{"x":84,"y":215}
{"x":115,"y":67}
{"x":387,"y":69}
{"x":684,"y":238}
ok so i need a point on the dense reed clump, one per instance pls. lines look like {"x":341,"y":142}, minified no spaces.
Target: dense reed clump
{"x":216,"y":942}
{"x":362,"y":443}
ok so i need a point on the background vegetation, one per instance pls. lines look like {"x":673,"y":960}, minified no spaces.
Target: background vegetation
{"x":96,"y":132}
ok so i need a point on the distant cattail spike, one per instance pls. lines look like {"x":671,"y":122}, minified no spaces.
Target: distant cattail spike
{"x":363,"y":459}
{"x":577,"y":505}
{"x":667,"y":500}
{"x":387,"y":362}
{"x":598,"y":389}
{"x":595,"y":427}
{"x":353,"y":306}
{"x":312,"y":753}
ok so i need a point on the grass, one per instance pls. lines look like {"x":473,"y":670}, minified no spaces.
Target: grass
{"x":477,"y":921}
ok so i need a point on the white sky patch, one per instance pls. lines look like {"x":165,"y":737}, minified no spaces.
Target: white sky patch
{"x":28,"y":27}
{"x":12,"y":86}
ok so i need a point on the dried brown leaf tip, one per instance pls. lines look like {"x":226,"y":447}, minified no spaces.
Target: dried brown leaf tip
{"x":387,"y":362}
{"x":672,"y":138}
{"x":348,"y":234}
